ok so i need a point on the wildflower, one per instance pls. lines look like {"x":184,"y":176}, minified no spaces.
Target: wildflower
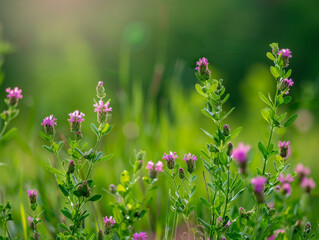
{"x":99,"y":235}
{"x":75,"y":120}
{"x":284,"y":149}
{"x":102,"y":111}
{"x":112,"y":188}
{"x":33,"y":195}
{"x":227,"y":224}
{"x":89,"y":155}
{"x":181,"y":173}
{"x":48,"y":123}
{"x":140,"y":236}
{"x":308,"y":184}
{"x":259,"y":186}
{"x":285,"y":84}
{"x":71,"y":167}
{"x":285,"y":183}
{"x":31,"y":223}
{"x":190,"y":162}
{"x":229,"y":149}
{"x":203,"y":73}
{"x":286,"y":187}
{"x":285,"y":55}
{"x":307,"y":228}
{"x":153,"y":170}
{"x":219,"y":222}
{"x":84,"y":189}
{"x":100,"y":91}
{"x":226,"y":130}
{"x":14,"y":95}
{"x":287,"y":179}
{"x":108,"y":224}
{"x":242,"y":211}
{"x":276,"y":233}
{"x":240,"y":154}
{"x":170,"y":159}
{"x":302,"y":171}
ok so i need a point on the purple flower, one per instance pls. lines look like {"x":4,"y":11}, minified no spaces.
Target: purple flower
{"x":75,"y":120}
{"x":32,"y":195}
{"x":302,"y":171}
{"x":284,"y":149}
{"x":259,"y":186}
{"x":108,"y":224}
{"x":140,"y":236}
{"x":76,"y":117}
{"x":227,"y":224}
{"x":102,"y":111}
{"x":240,"y":154}
{"x":203,"y":72}
{"x":170,"y":159}
{"x":100,"y":84}
{"x":48,"y":123}
{"x":286,"y":187}
{"x":285,"y":84}
{"x":285,"y":53}
{"x":275,"y":235}
{"x":14,"y":95}
{"x":153,"y":171}
{"x":190,"y":161}
{"x":308,"y":184}
{"x":287,"y":179}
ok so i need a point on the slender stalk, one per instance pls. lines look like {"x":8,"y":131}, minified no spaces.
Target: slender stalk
{"x":227,"y":193}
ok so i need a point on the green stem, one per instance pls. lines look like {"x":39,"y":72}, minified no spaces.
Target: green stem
{"x":225,"y":209}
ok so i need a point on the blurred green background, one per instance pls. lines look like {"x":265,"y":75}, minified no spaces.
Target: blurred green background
{"x":145,"y":52}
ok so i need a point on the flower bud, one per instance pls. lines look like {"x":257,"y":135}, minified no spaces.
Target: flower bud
{"x":71,"y":167}
{"x":229,"y":148}
{"x":33,"y":196}
{"x":113,"y":188}
{"x":307,"y":228}
{"x":89,"y":155}
{"x":99,"y":235}
{"x":275,"y":48}
{"x":219,"y":222}
{"x":84,"y":189}
{"x":140,"y":155}
{"x":138,"y":165}
{"x":181,"y":173}
{"x":100,"y":91}
{"x":36,"y":236}
{"x":226,"y":130}
{"x":31,"y":223}
{"x":242,"y":211}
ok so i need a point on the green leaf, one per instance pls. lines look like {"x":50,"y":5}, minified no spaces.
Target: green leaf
{"x":227,"y":114}
{"x":225,"y":98}
{"x":262,"y":149}
{"x":79,"y":151}
{"x":274,"y":72}
{"x":287,"y":75}
{"x":95,"y":130}
{"x":203,"y":200}
{"x":95,"y":198}
{"x":265,"y":114}
{"x":235,"y":133}
{"x":275,"y":165}
{"x":54,"y":170}
{"x":238,"y":194}
{"x":264,"y":99}
{"x":287,"y":99}
{"x":9,"y":135}
{"x":48,"y":148}
{"x":64,"y":190}
{"x":200,"y":90}
{"x":270,"y":56}
{"x":66,"y":213}
{"x":45,"y":137}
{"x":291,"y":120}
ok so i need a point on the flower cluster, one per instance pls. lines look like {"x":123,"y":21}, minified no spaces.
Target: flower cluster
{"x":170,"y":159}
{"x":202,"y":69}
{"x":14,"y":95}
{"x":259,"y":186}
{"x":285,"y":84}
{"x":108,"y":224}
{"x":102,"y":111}
{"x":285,"y":183}
{"x":48,"y":123}
{"x":154,"y":169}
{"x":307,"y":183}
{"x":240,"y":154}
{"x":140,"y":236}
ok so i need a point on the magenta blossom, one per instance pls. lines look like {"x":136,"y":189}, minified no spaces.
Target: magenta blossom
{"x":14,"y":93}
{"x":170,"y":159}
{"x":302,"y":171}
{"x":203,"y":72}
{"x":285,"y":53}
{"x":190,"y":162}
{"x":109,"y":221}
{"x":153,"y":171}
{"x":159,"y":166}
{"x":189,"y":156}
{"x":32,"y":195}
{"x":76,"y":116}
{"x":285,"y":84}
{"x":259,"y":184}
{"x":202,"y":62}
{"x":240,"y":153}
{"x":49,"y":121}
{"x":287,"y":179}
{"x":284,"y":149}
{"x":275,"y":235}
{"x":101,"y":107}
{"x":140,"y":236}
{"x":150,"y":165}
{"x":308,"y":184}
{"x":227,"y":224}
{"x":100,"y":84}
{"x":286,"y":187}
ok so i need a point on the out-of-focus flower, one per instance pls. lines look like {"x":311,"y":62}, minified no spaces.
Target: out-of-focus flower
{"x":154,"y":169}
{"x":32,"y":195}
{"x":140,"y":236}
{"x":284,"y":149}
{"x":259,"y":186}
{"x":240,"y":154}
{"x":276,"y":233}
{"x":308,"y":184}
{"x":302,"y":171}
